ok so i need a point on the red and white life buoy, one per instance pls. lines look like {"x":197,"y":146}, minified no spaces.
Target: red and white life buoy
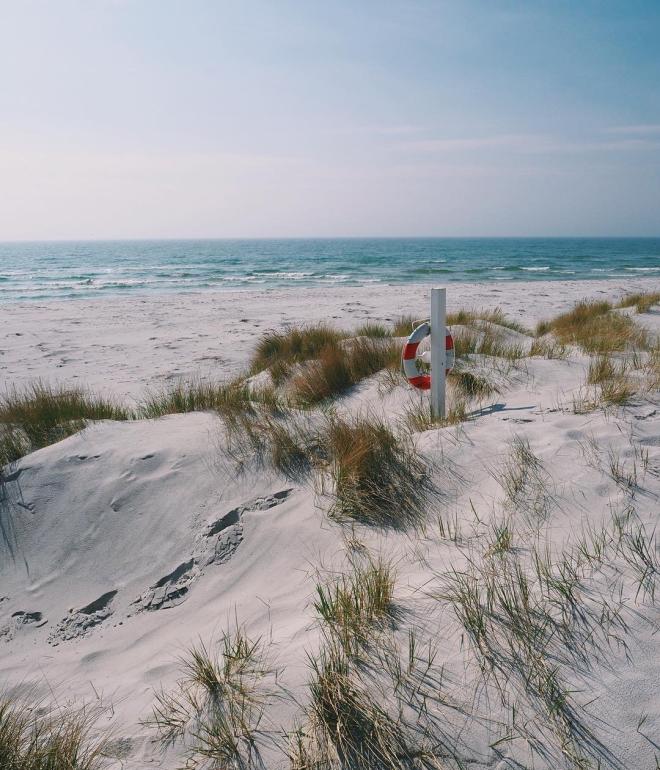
{"x":410,"y":367}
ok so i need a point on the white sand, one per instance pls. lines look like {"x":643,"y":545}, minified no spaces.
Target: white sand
{"x":123,"y":507}
{"x":122,"y":345}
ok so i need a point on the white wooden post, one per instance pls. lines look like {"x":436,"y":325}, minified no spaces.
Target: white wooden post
{"x":438,"y":352}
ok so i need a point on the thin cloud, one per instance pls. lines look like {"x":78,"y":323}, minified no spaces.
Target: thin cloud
{"x":528,"y":144}
{"x":640,"y":128}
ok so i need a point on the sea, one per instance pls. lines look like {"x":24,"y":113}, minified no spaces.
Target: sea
{"x":70,"y":270}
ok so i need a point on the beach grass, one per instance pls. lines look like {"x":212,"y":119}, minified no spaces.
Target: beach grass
{"x":351,"y":605}
{"x":37,"y":736}
{"x":217,"y":707}
{"x":294,"y":345}
{"x":338,"y":368}
{"x":377,"y":477}
{"x":41,"y":414}
{"x":641,"y":301}
{"x":347,"y":728}
{"x":465,"y":317}
{"x":592,"y":326}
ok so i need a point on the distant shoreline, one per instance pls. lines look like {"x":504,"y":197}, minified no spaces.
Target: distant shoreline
{"x":83,"y":270}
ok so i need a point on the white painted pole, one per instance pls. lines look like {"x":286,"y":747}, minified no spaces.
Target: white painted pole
{"x":438,"y":352}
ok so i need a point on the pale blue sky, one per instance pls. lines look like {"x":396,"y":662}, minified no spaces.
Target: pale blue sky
{"x":206,"y":118}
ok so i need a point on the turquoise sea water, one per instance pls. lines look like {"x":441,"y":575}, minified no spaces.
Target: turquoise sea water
{"x":69,"y":270}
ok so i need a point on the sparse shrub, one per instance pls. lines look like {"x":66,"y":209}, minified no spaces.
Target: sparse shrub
{"x":377,"y":476}
{"x":42,"y":414}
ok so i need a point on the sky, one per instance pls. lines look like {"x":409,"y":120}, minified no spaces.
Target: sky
{"x":278,"y":118}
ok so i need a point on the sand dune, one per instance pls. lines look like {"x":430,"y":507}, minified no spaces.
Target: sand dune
{"x":127,"y":542}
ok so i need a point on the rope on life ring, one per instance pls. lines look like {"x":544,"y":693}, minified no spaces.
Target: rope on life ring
{"x":411,"y":369}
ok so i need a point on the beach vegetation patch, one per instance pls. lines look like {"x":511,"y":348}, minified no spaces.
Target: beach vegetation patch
{"x":375,"y":330}
{"x":346,"y":726}
{"x":41,"y":414}
{"x":641,"y":301}
{"x":37,"y":736}
{"x":352,"y":605}
{"x":197,"y":396}
{"x":496,"y":316}
{"x":377,"y":477}
{"x":217,"y":707}
{"x":339,"y":368}
{"x":294,"y":345}
{"x":595,"y":329}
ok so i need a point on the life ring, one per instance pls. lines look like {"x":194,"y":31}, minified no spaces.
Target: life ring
{"x":409,"y":357}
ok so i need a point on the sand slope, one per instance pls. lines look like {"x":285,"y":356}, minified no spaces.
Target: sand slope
{"x":126,"y":543}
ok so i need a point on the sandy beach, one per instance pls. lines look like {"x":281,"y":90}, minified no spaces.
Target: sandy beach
{"x":130,"y":541}
{"x":124,"y":345}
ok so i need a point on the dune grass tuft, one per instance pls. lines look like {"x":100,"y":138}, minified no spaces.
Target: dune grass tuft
{"x":641,"y":301}
{"x":347,"y":728}
{"x":36,"y":736}
{"x":469,"y":385}
{"x":418,"y":416}
{"x":592,"y":326}
{"x":294,"y":345}
{"x":377,"y":477}
{"x":352,"y":604}
{"x":404,"y":325}
{"x":196,"y":395}
{"x":217,"y":708}
{"x":41,"y":414}
{"x":466,"y":317}
{"x":338,"y":368}
{"x":373,"y":330}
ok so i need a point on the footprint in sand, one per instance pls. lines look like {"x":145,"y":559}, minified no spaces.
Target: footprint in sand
{"x":217,"y":545}
{"x":21,"y":620}
{"x":80,"y":622}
